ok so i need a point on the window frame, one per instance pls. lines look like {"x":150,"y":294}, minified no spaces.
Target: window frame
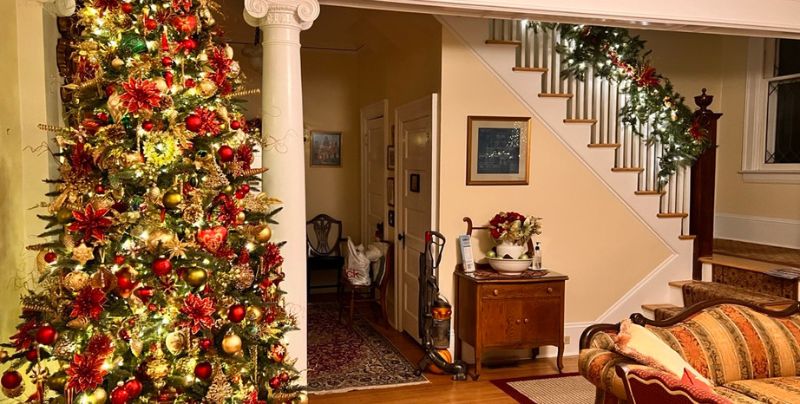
{"x":754,"y":168}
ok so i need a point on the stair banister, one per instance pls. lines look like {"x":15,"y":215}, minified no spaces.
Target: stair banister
{"x":703,"y":186}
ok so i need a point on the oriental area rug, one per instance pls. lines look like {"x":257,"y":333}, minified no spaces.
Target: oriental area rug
{"x":343,"y":358}
{"x":567,"y":388}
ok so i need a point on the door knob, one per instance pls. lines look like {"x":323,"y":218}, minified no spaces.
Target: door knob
{"x":495,"y":292}
{"x":517,"y":321}
{"x":525,"y":321}
{"x":401,"y":236}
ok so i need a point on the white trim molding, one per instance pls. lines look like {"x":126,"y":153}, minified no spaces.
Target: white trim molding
{"x":756,"y":229}
{"x":754,"y":144}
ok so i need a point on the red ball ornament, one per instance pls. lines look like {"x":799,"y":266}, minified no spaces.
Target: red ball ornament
{"x":11,"y":379}
{"x":126,"y":8}
{"x":152,"y":307}
{"x":203,"y":370}
{"x":162,"y":266}
{"x":124,"y":335}
{"x":120,"y":396}
{"x":189,"y":44}
{"x":166,"y":61}
{"x":236,"y":125}
{"x":189,"y":83}
{"x":147,"y":125}
{"x":275,"y":382}
{"x":150,"y":24}
{"x":110,"y":90}
{"x":99,"y":189}
{"x":133,"y":387}
{"x":284,"y":377}
{"x":245,"y":188}
{"x":225,"y":153}
{"x":102,"y":116}
{"x":46,"y":335}
{"x":50,"y":257}
{"x":237,"y":312}
{"x":119,"y":259}
{"x":193,"y":123}
{"x":168,"y":78}
{"x":124,"y":280}
{"x":205,"y":344}
{"x":144,"y":293}
{"x":239,"y":194}
{"x":32,"y":355}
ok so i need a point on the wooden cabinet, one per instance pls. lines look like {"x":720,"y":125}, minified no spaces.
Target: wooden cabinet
{"x":501,"y":312}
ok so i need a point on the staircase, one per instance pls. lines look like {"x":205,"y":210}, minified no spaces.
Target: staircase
{"x":584,"y":115}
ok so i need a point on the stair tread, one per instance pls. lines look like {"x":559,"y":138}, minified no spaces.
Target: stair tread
{"x":556,"y":95}
{"x":726,"y":291}
{"x":605,"y":145}
{"x":654,"y":306}
{"x":743,"y":263}
{"x":650,"y":192}
{"x":530,"y":69}
{"x":502,"y":42}
{"x":569,"y":120}
{"x":627,"y":169}
{"x":672,"y":215}
{"x":687,"y":237}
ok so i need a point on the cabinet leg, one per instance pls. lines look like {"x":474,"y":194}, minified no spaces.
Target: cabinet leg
{"x":457,"y":348}
{"x":535,"y":353}
{"x":477,"y":370}
{"x":560,"y":358}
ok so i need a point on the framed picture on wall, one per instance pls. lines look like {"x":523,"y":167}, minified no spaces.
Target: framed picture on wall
{"x":326,"y":149}
{"x":498,"y":150}
{"x":390,"y":191}
{"x":390,"y":157}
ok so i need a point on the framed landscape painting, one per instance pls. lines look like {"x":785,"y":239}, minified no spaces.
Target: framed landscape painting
{"x":326,"y":149}
{"x":498,"y":150}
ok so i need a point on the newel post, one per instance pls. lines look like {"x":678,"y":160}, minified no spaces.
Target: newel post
{"x":701,"y":211}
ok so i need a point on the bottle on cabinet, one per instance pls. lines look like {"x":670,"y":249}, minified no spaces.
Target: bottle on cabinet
{"x":537,"y":256}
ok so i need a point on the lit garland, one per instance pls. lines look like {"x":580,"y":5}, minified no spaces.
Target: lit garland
{"x":614,"y":54}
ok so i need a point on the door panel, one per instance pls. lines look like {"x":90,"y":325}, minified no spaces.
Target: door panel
{"x":500,"y":318}
{"x":373,"y":154}
{"x":415,"y":124}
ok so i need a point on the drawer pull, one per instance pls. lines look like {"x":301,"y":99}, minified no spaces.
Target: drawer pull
{"x":525,"y":321}
{"x":549,"y":290}
{"x":517,"y":321}
{"x":495,"y":292}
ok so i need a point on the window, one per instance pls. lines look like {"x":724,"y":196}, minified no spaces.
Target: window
{"x":772,"y":142}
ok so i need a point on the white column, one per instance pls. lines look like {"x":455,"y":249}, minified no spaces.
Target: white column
{"x":282,"y":124}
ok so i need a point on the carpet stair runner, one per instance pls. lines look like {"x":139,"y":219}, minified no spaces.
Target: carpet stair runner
{"x":763,"y":275}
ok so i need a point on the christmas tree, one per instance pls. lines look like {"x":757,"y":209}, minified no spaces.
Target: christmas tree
{"x":158,"y":281}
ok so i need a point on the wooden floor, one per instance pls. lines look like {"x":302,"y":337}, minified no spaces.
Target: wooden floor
{"x":442,"y":389}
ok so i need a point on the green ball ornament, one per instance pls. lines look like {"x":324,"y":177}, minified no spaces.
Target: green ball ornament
{"x":64,"y":216}
{"x":172,"y":199}
{"x":131,"y":43}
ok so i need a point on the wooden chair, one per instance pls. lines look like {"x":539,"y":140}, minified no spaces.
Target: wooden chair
{"x":375,"y":292}
{"x":323,"y":241}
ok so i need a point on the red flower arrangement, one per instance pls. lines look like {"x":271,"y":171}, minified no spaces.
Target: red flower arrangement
{"x":514,"y":227}
{"x":140,"y":95}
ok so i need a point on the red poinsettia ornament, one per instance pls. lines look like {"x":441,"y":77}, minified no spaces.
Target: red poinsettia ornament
{"x":85,"y":372}
{"x":198,"y":312}
{"x":140,"y":95}
{"x":88,"y":303}
{"x":105,"y":5}
{"x":207,"y":122}
{"x":696,"y":130}
{"x":647,"y":77}
{"x":182,"y":5}
{"x":91,"y":223}
{"x":272,"y":257}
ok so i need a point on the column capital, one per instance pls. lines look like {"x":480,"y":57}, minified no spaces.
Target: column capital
{"x":60,"y":8}
{"x":292,"y":13}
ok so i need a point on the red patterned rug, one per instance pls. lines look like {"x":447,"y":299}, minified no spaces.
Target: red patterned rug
{"x":566,"y":388}
{"x":344,"y":358}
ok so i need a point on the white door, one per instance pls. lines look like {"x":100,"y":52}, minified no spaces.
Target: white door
{"x":374,"y":131}
{"x":416,"y":193}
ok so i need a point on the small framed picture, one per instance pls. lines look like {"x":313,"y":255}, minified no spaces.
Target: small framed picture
{"x":498,"y":150}
{"x":390,"y":216}
{"x":326,"y":149}
{"x":390,"y":157}
{"x":390,"y":191}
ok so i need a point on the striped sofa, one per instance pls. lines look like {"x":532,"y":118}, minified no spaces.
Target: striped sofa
{"x":750,"y":354}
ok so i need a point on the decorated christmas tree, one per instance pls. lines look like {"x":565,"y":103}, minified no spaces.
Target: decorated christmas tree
{"x":158,"y":281}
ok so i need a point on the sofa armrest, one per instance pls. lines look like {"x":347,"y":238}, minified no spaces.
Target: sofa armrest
{"x":598,"y":366}
{"x":648,"y":385}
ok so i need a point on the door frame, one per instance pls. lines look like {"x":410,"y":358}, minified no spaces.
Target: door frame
{"x":368,"y":112}
{"x":431,"y":102}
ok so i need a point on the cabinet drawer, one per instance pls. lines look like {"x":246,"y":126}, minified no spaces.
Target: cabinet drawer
{"x":540,"y":289}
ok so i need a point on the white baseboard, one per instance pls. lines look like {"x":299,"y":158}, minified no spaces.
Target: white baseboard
{"x":756,"y":229}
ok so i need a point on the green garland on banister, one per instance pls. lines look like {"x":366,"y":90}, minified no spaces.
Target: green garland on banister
{"x":617,"y":55}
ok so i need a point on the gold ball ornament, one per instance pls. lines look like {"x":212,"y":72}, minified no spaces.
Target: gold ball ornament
{"x":117,"y":63}
{"x":161,"y":84}
{"x":264,"y":234}
{"x":241,"y":217}
{"x":231,"y":344}
{"x":175,"y":342}
{"x":99,"y":396}
{"x":64,"y":216}
{"x":254,"y":313}
{"x":196,"y":277}
{"x":207,"y":88}
{"x":104,"y":202}
{"x":75,"y":281}
{"x":159,"y":237}
{"x":172,"y":199}
{"x":57,"y":381}
{"x":228,"y":189}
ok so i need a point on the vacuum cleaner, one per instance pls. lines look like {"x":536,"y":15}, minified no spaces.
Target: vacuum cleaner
{"x":435,"y":312}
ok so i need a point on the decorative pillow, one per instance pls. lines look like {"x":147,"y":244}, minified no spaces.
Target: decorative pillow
{"x":641,"y":345}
